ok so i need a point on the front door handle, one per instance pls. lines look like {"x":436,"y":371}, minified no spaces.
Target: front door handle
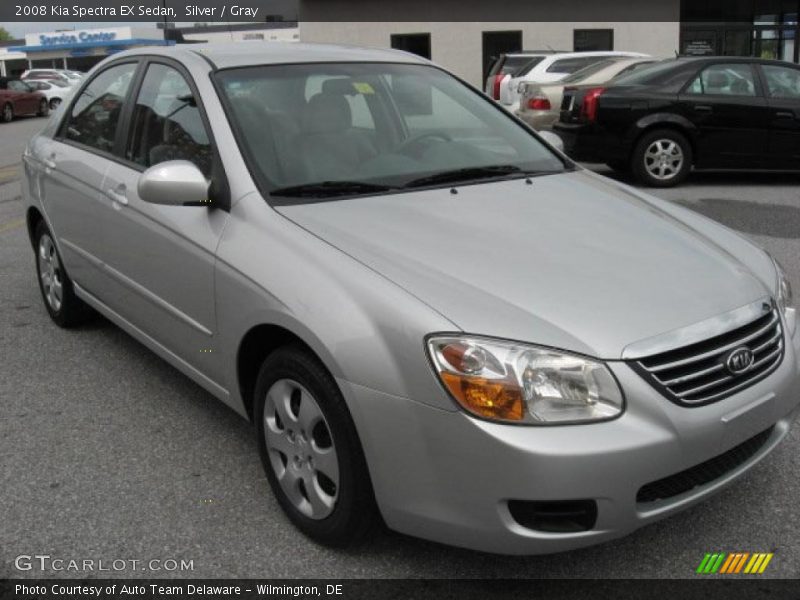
{"x":50,"y":162}
{"x":785,"y":114}
{"x":118,"y":194}
{"x":703,"y":108}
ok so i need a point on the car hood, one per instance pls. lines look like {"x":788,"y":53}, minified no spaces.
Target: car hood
{"x":572,"y":261}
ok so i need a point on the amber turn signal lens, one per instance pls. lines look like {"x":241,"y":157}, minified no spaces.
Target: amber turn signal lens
{"x":493,"y":399}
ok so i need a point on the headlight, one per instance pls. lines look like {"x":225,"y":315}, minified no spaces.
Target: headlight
{"x":518,"y":383}
{"x":784,"y":297}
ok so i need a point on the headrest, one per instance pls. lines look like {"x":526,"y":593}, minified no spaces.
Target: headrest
{"x":717,"y":79}
{"x":327,"y":113}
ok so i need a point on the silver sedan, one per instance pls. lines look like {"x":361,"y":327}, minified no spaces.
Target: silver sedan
{"x":431,"y":316}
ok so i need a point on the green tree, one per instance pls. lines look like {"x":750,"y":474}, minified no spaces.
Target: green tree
{"x":4,"y":35}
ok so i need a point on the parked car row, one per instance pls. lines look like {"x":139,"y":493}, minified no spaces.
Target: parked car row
{"x":663,"y":119}
{"x":505,"y":84}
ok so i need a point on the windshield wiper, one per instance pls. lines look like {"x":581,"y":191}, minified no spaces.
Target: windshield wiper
{"x":327,"y":189}
{"x":465,"y":174}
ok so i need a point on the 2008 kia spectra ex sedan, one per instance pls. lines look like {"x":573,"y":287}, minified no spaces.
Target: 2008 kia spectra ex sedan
{"x":429,"y":314}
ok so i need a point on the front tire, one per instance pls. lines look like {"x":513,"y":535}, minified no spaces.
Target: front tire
{"x":44,"y":108}
{"x":8,"y":113}
{"x":310,"y":449}
{"x":63,"y":306}
{"x":54,"y":103}
{"x":662,"y":158}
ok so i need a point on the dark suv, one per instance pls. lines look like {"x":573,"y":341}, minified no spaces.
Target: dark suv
{"x":710,"y":113}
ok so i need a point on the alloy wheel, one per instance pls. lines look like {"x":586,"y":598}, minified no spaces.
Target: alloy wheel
{"x":663,"y":159}
{"x":50,"y":273}
{"x":301,"y":449}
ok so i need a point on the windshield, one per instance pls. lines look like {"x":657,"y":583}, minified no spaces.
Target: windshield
{"x":371,"y":127}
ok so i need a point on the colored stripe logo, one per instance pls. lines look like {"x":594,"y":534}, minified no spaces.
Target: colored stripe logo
{"x":734,"y":563}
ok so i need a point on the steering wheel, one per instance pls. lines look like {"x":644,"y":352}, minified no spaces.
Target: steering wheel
{"x":413,"y":145}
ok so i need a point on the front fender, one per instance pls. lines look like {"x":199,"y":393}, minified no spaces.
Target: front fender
{"x":365,"y":329}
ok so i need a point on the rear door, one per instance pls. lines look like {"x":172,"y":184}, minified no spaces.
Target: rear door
{"x":782,"y":84}
{"x":75,"y":162}
{"x":726,"y":104}
{"x":163,"y":257}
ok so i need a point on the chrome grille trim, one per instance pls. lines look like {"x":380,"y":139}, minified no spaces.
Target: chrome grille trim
{"x":697,"y":374}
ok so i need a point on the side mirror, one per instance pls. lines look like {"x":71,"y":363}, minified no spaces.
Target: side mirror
{"x":174,"y":183}
{"x":553,"y":139}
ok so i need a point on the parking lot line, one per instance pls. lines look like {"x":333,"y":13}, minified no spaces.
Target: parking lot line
{"x":9,"y":173}
{"x":11,"y":225}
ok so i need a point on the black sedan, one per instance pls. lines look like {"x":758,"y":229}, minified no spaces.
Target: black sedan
{"x":707,"y":113}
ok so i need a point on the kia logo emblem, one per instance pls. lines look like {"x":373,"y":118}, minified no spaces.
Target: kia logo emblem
{"x":740,"y":360}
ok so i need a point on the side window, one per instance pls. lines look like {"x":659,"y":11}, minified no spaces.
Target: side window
{"x":17,"y":86}
{"x":724,"y":80}
{"x":782,"y":82}
{"x":570,"y":65}
{"x":166,"y":123}
{"x":95,"y":114}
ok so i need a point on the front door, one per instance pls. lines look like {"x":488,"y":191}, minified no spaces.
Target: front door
{"x":728,"y":108}
{"x":783,"y":95}
{"x":162,"y":257}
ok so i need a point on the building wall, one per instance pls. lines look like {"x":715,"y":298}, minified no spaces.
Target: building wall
{"x":458,"y":45}
{"x":289,"y":34}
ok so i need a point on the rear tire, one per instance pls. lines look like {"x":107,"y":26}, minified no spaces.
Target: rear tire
{"x":662,"y":158}
{"x":8,"y":113}
{"x":63,"y":306}
{"x":44,"y":108}
{"x":310,"y":449}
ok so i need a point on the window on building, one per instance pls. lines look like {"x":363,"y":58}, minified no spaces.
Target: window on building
{"x":416,"y":43}
{"x":497,"y":43}
{"x":724,"y":80}
{"x":592,"y":40}
{"x":166,"y":122}
{"x":95,"y":114}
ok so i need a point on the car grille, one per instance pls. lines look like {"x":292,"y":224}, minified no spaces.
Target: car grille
{"x":698,"y":374}
{"x":704,"y":473}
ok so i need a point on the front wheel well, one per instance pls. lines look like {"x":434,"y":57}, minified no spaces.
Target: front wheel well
{"x":33,"y":217}
{"x":257,"y":344}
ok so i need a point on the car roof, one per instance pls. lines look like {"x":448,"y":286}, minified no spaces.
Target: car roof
{"x":251,"y":53}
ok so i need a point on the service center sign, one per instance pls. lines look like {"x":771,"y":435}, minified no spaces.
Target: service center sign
{"x":78,"y":37}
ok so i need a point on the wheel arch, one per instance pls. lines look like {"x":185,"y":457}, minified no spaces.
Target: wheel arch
{"x":670,"y":121}
{"x":32,"y":218}
{"x":257,"y":343}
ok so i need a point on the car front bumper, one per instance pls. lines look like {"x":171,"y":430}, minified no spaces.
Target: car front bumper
{"x":445,"y":476}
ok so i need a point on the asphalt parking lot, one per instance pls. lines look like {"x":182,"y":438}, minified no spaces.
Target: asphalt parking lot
{"x":109,"y":453}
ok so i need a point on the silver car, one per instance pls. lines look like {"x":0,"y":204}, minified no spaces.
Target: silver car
{"x":431,"y":316}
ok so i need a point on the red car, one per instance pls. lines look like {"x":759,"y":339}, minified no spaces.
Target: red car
{"x":18,"y":98}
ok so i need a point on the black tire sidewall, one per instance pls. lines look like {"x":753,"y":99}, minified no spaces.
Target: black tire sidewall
{"x":44,"y":108}
{"x":637,"y":158}
{"x":73,"y":311}
{"x":3,"y":113}
{"x":355,"y":511}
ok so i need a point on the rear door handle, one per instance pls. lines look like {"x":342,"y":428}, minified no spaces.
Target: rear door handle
{"x":118,"y":194}
{"x":703,"y":108}
{"x":785,"y":114}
